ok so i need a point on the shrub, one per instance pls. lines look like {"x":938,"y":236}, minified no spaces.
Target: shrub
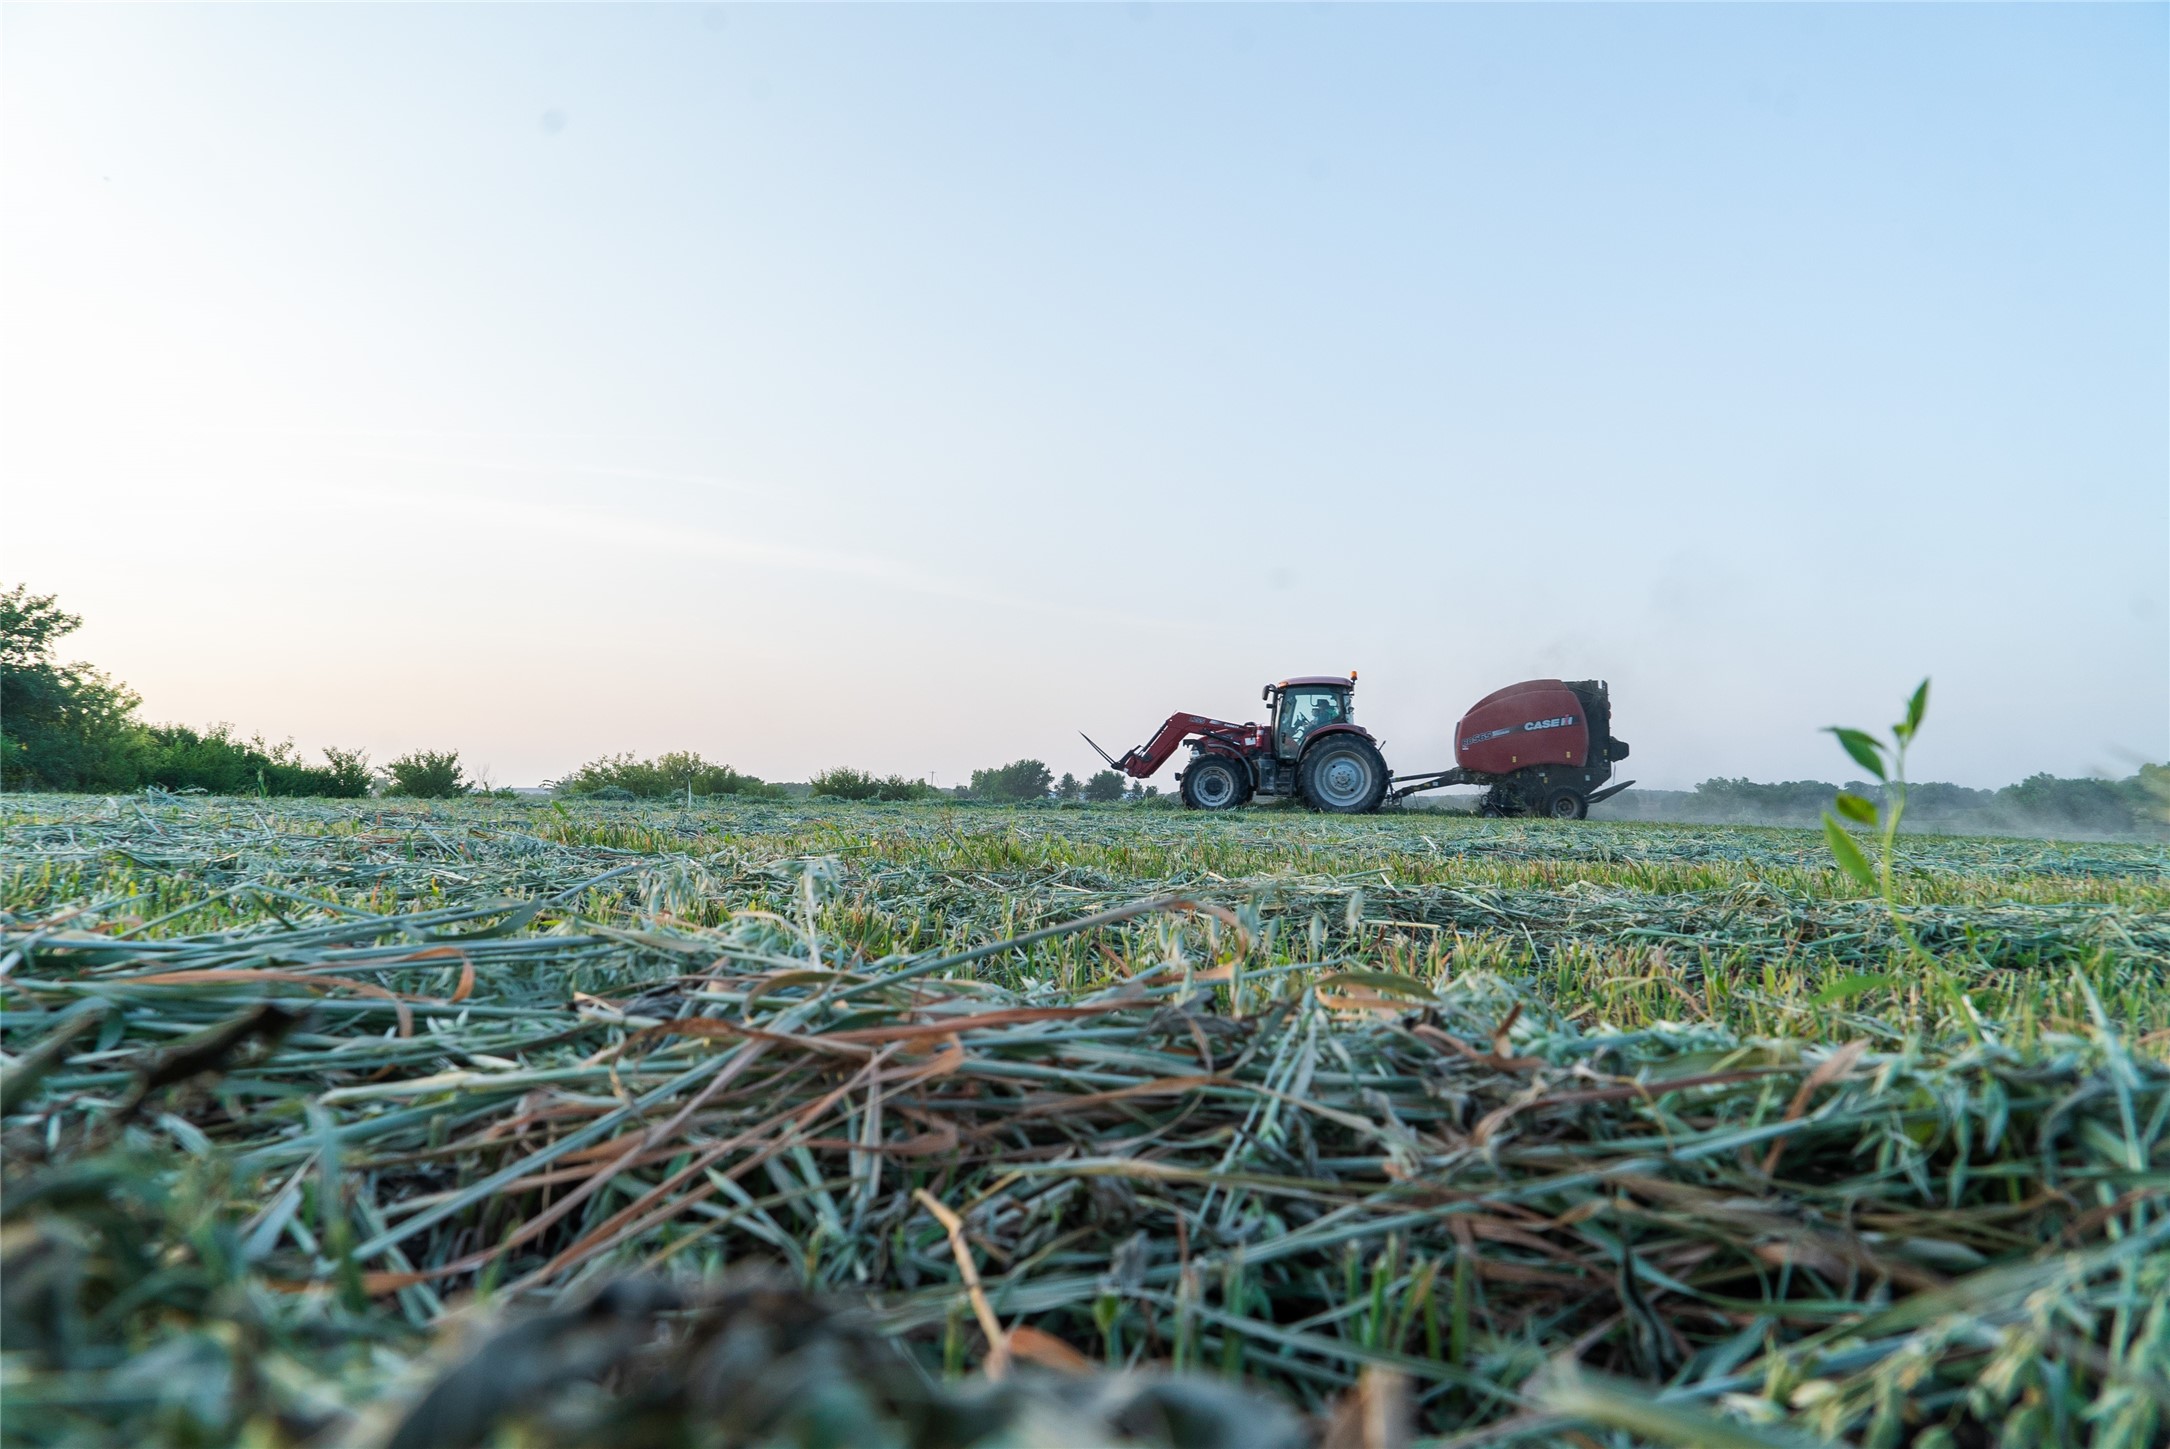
{"x":347,"y":774}
{"x":674,"y":773}
{"x":218,"y":762}
{"x":1105,"y":786}
{"x":1019,"y":780}
{"x":428,"y":775}
{"x":69,"y":727}
{"x":845,"y":783}
{"x":1068,"y":787}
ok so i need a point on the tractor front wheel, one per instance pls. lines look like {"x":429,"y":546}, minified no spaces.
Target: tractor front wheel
{"x":1344,"y":775}
{"x":1213,"y":783}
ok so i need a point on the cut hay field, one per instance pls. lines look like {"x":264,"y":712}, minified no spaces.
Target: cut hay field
{"x":1532,"y":1132}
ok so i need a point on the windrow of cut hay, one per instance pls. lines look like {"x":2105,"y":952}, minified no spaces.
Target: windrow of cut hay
{"x":757,"y":1124}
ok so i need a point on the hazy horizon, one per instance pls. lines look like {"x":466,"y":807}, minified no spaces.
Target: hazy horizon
{"x":912,"y":387}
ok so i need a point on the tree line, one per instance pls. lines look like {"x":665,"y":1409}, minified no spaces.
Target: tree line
{"x":623,"y":777}
{"x":72,"y":727}
{"x":2039,"y":803}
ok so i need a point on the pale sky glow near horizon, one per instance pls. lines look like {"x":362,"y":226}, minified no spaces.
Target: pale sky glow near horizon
{"x":912,"y":386}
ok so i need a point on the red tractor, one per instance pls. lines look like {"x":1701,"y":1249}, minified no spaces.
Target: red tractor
{"x":1542,"y":747}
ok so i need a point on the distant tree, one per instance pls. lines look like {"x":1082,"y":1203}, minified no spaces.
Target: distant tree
{"x":428,"y":775}
{"x":1798,"y":802}
{"x":2152,"y":785}
{"x":1104,"y":786}
{"x":2040,"y":804}
{"x":1017,"y":781}
{"x":62,"y":726}
{"x":1067,"y":787}
{"x":30,"y":624}
{"x":2110,"y":806}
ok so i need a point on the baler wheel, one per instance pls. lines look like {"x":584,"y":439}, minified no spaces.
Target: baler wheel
{"x":1566,"y":805}
{"x":1212,"y":783}
{"x":1344,"y":775}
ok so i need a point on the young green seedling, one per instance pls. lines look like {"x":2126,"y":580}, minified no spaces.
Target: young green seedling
{"x":1887,"y":762}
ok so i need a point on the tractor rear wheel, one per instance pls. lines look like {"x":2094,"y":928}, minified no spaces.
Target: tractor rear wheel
{"x":1566,"y":805}
{"x":1343,"y":775}
{"x":1213,"y":783}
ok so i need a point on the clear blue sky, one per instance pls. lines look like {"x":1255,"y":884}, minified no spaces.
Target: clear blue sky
{"x":909,"y":387}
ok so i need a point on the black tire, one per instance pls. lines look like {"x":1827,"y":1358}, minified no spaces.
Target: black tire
{"x":1566,"y":805}
{"x":1214,"y":782}
{"x":1343,"y":775}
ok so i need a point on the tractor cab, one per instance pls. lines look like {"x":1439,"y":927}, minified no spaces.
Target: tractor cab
{"x":1303,"y":706}
{"x":1312,"y":747}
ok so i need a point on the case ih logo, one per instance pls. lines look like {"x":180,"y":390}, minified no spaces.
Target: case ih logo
{"x":1535,"y":724}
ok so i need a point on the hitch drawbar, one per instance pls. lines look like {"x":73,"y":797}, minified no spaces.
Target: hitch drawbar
{"x":1407,"y":785}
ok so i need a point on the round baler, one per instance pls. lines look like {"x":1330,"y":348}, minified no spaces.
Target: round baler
{"x":1541,"y":747}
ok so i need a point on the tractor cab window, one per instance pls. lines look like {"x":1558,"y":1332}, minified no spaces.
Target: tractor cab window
{"x":1303,"y":711}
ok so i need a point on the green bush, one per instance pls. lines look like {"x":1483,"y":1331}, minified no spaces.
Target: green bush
{"x":217,"y":762}
{"x":845,"y":783}
{"x":1017,"y":781}
{"x":1105,"y":786}
{"x":69,"y":727}
{"x":428,"y":775}
{"x":674,"y":773}
{"x":347,"y":774}
{"x":62,"y":726}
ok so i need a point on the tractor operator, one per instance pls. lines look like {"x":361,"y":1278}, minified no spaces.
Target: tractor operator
{"x":1325,"y":710}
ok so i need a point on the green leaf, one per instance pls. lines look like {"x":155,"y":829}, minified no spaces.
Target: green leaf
{"x":1389,"y":981}
{"x":1867,"y":750}
{"x":1858,"y":984}
{"x":1917,"y":707}
{"x":1850,"y":858}
{"x":1857,"y":808}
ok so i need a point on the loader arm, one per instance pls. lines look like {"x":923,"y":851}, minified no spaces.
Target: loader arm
{"x":1144,"y":760}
